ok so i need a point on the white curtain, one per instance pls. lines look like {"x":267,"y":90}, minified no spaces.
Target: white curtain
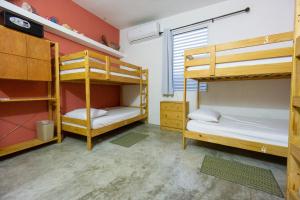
{"x":167,"y":72}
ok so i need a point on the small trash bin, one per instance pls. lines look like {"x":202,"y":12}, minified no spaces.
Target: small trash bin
{"x":45,"y":130}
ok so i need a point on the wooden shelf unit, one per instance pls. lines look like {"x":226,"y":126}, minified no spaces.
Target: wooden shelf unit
{"x":27,"y":99}
{"x":293,"y":173}
{"x":23,"y":146}
{"x":28,"y":58}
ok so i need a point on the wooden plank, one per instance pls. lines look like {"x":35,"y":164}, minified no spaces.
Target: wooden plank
{"x":73,"y":56}
{"x":124,"y":79}
{"x":184,"y":112}
{"x":73,"y":76}
{"x":22,"y":146}
{"x":96,"y":132}
{"x":275,"y":38}
{"x":122,"y":63}
{"x":238,"y":143}
{"x":97,"y":65}
{"x":96,"y":55}
{"x":296,"y":102}
{"x":71,"y":120}
{"x":197,"y":73}
{"x":4,"y":100}
{"x":107,"y":67}
{"x":197,"y":62}
{"x":196,"y":51}
{"x":76,"y":65}
{"x":295,"y":148}
{"x":293,"y":167}
{"x":277,"y":68}
{"x":124,"y":71}
{"x":297,"y":47}
{"x":294,"y":195}
{"x":257,"y":55}
{"x":57,"y":93}
{"x":74,"y":129}
{"x":212,"y":66}
{"x":88,"y":103}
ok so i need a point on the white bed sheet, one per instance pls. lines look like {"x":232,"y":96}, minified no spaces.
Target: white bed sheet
{"x":114,"y":115}
{"x":95,"y":70}
{"x":267,"y":131}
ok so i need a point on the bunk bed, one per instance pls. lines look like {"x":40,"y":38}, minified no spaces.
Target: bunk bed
{"x":266,"y":57}
{"x":90,"y":67}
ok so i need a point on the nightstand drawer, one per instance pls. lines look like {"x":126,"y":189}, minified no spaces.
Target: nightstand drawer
{"x":165,"y":114}
{"x":171,"y":106}
{"x":171,"y":123}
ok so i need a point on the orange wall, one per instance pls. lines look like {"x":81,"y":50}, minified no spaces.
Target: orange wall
{"x":13,"y":114}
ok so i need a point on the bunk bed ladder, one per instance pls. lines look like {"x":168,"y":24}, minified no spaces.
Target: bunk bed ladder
{"x":293,"y":176}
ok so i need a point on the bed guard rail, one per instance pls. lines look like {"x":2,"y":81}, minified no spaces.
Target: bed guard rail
{"x":91,"y":61}
{"x":206,"y":62}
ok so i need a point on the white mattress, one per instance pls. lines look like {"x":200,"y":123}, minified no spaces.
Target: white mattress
{"x":267,"y":131}
{"x":95,"y":70}
{"x":114,"y":115}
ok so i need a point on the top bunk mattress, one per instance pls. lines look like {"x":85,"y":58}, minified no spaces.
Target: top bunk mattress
{"x":267,"y":131}
{"x":114,"y":115}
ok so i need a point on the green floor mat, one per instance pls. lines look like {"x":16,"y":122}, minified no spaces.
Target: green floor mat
{"x":129,"y":139}
{"x":253,"y":177}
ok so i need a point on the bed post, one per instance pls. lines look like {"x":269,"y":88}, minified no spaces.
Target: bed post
{"x":184,"y":114}
{"x":88,"y":101}
{"x":107,"y":67}
{"x":141,"y":91}
{"x":57,"y":93}
{"x":147,"y":94}
{"x":198,"y":95}
{"x":293,"y":166}
{"x":184,"y":104}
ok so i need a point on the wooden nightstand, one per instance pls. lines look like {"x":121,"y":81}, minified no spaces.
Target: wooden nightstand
{"x":171,"y":115}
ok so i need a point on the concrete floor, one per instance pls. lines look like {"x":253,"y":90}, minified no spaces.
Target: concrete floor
{"x":155,"y":168}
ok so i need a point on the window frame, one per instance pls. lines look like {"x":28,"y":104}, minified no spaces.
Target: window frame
{"x":191,"y":84}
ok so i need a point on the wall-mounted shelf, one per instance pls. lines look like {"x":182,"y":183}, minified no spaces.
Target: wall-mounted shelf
{"x":60,"y":30}
{"x":26,"y":99}
{"x":23,"y":145}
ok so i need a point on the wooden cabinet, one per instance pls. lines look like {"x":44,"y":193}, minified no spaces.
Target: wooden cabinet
{"x":24,"y":57}
{"x":171,"y":115}
{"x":13,"y":67}
{"x":12,"y":42}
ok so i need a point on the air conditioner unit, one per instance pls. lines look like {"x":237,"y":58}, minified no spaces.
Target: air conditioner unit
{"x":143,"y":32}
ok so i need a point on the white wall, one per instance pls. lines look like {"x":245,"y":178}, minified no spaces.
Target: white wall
{"x":256,"y":98}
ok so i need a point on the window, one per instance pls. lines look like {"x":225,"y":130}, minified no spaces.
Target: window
{"x":182,"y":41}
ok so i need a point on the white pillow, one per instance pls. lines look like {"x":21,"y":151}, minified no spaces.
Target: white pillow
{"x":81,"y":113}
{"x":205,"y":114}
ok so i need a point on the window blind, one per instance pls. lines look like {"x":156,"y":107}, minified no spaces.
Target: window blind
{"x":181,"y":41}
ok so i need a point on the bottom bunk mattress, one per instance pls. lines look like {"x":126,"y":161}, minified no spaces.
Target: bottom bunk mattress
{"x":267,"y":131}
{"x":114,"y":115}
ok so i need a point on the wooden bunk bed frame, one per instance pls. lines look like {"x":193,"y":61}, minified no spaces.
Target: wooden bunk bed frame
{"x":246,"y":72}
{"x":137,"y":76}
{"x":293,"y":165}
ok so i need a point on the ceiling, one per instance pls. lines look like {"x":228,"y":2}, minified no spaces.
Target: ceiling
{"x":126,"y":13}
